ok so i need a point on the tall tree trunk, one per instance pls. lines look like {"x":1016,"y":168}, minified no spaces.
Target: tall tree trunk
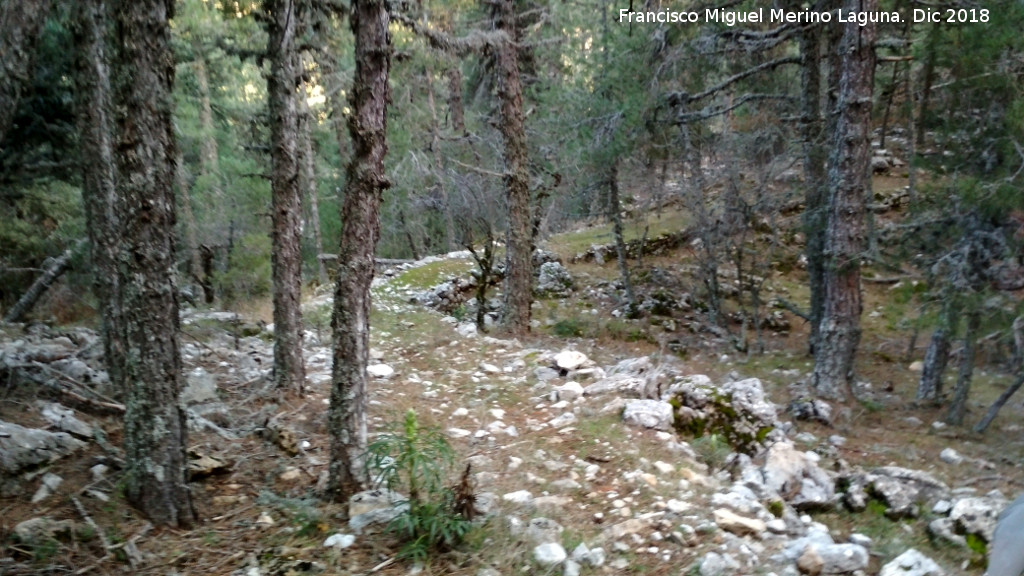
{"x":615,"y":213}
{"x":435,"y":150}
{"x":518,"y":253}
{"x":21,"y":22}
{"x":309,"y":184}
{"x":844,"y":242}
{"x":927,"y":80}
{"x":360,"y":220}
{"x":154,"y":427}
{"x":958,"y":408}
{"x":815,"y":185}
{"x":99,"y":191}
{"x":286,"y":210}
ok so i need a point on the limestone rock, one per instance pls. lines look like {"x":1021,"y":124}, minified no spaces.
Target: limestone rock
{"x":554,"y":280}
{"x":549,"y":554}
{"x":977,"y":515}
{"x":912,"y":563}
{"x":570,"y":360}
{"x":43,"y":528}
{"x":22,"y":448}
{"x":832,"y":559}
{"x":200,"y":387}
{"x":796,"y":477}
{"x":64,"y":419}
{"x":740,"y":525}
{"x":648,"y":414}
{"x":543,"y":530}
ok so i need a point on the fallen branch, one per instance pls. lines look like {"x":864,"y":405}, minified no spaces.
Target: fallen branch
{"x":53,"y":270}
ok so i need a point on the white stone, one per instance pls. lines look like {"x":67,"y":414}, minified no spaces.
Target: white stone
{"x":570,"y":359}
{"x":563,"y":420}
{"x":664,"y":467}
{"x":950,"y":456}
{"x":648,"y":414}
{"x":458,"y":432}
{"x":380,"y":371}
{"x":549,"y":554}
{"x":339,"y":541}
{"x":518,"y":497}
{"x":569,"y":391}
{"x":912,"y":563}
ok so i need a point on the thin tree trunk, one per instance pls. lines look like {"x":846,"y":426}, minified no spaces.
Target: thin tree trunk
{"x":21,"y":22}
{"x":455,"y":110}
{"x":615,"y":213}
{"x":99,"y":191}
{"x":309,"y":183}
{"x":435,"y":150}
{"x":844,"y":242}
{"x":927,"y":80}
{"x":55,"y":268}
{"x":929,"y":388}
{"x":815,"y":186}
{"x":958,"y":408}
{"x":155,"y":430}
{"x":996,"y":406}
{"x":191,"y":233}
{"x":1018,"y":364}
{"x":286,"y":210}
{"x":360,"y":220}
{"x":518,"y":256}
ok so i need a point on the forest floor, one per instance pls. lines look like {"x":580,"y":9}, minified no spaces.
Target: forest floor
{"x":259,"y":515}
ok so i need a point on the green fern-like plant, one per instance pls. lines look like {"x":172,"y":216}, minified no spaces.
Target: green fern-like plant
{"x":418,"y":459}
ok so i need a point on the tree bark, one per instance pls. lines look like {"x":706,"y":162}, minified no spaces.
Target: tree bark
{"x":815,"y":185}
{"x":518,"y":253}
{"x":360,"y":218}
{"x":286,"y":210}
{"x":958,"y":408}
{"x":154,"y":428}
{"x":99,"y":191}
{"x":848,"y":176}
{"x":21,"y":22}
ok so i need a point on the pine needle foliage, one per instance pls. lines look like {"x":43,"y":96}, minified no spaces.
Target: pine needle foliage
{"x":417,"y":459}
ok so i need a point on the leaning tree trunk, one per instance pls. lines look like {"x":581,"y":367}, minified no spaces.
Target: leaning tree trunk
{"x":518,"y":252}
{"x":958,"y":408}
{"x":1018,"y":365}
{"x":360,"y":220}
{"x":53,"y":270}
{"x":21,"y":22}
{"x":844,"y":241}
{"x":99,"y":191}
{"x":815,"y":185}
{"x":286,"y":210}
{"x":154,"y":427}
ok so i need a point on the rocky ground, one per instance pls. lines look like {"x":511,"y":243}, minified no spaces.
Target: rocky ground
{"x":583,"y":458}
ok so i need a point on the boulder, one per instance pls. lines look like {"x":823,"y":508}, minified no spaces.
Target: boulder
{"x":64,"y":419}
{"x":977,"y":515}
{"x":23,"y":448}
{"x":796,"y":477}
{"x":553,"y":280}
{"x":571,"y":360}
{"x":902,"y":490}
{"x":648,"y":414}
{"x":737,"y":411}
